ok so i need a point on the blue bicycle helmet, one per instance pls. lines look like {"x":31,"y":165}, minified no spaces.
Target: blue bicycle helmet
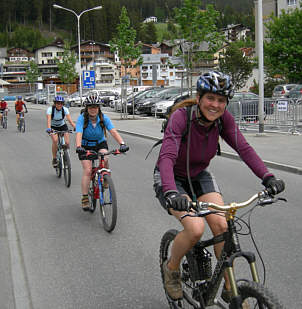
{"x":59,"y":99}
{"x":215,"y":82}
{"x":19,"y":97}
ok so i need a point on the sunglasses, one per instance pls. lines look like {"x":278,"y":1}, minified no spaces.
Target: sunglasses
{"x":93,"y":106}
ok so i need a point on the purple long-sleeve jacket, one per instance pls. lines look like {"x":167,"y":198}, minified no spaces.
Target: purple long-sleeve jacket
{"x":203,"y":147}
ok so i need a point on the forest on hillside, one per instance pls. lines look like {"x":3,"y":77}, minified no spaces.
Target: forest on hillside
{"x":101,"y":25}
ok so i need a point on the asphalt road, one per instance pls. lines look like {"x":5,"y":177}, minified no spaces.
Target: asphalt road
{"x":62,"y":258}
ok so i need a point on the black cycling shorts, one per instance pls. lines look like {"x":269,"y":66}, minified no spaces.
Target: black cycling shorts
{"x":102,"y":145}
{"x":64,"y":127}
{"x":202,"y":184}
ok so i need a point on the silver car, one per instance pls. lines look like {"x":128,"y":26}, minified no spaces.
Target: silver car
{"x":282,"y":91}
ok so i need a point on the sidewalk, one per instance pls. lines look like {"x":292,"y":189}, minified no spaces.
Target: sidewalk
{"x":278,"y":150}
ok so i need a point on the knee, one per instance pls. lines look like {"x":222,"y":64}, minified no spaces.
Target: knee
{"x":195,"y":234}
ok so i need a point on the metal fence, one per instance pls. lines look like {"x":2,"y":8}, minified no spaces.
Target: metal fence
{"x":283,"y":115}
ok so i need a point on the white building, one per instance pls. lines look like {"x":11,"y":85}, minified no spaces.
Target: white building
{"x":151,"y":19}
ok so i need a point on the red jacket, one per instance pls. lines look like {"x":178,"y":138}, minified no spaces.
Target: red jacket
{"x":19,"y":106}
{"x":3,"y":105}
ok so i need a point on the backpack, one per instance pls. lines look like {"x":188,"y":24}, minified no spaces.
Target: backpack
{"x":185,"y":133}
{"x":53,"y":113}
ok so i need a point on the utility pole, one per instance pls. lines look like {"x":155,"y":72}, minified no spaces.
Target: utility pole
{"x":260,"y":68}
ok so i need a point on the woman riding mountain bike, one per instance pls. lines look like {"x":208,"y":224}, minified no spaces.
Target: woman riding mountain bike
{"x":91,"y":135}
{"x":56,"y":121}
{"x":182,"y":174}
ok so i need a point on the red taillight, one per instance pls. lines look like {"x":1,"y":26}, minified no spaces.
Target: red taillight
{"x":283,"y":91}
{"x":301,"y":90}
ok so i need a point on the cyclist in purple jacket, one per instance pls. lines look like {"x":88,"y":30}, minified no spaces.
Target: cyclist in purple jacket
{"x":181,"y":171}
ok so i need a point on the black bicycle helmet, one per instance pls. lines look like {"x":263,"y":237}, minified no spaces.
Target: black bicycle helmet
{"x":93,"y":99}
{"x":215,"y":82}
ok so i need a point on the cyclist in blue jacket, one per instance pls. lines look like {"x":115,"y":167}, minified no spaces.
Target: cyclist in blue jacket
{"x":91,"y":134}
{"x":56,"y":115}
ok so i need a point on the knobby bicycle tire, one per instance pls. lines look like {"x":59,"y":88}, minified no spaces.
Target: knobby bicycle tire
{"x":59,"y":165}
{"x":23,"y":126}
{"x":258,"y":296}
{"x":67,"y":168}
{"x":108,"y":204}
{"x":4,"y":122}
{"x":92,"y":200}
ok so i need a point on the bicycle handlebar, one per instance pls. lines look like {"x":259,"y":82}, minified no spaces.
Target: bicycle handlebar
{"x":95,"y":154}
{"x":264,"y":197}
{"x":60,"y":132}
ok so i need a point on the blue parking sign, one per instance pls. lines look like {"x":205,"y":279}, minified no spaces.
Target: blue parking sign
{"x":88,"y":79}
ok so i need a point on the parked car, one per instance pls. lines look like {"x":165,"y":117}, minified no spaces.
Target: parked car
{"x":137,"y":97}
{"x":247,"y":103}
{"x":162,"y":107}
{"x":75,"y":100}
{"x":296,"y":93}
{"x":144,"y":106}
{"x":107,"y":97}
{"x":29,"y":97}
{"x":282,"y":91}
{"x":40,"y":98}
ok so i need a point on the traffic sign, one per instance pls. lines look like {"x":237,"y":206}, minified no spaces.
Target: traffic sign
{"x":88,"y":79}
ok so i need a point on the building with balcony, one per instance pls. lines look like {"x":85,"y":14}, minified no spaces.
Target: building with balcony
{"x":161,"y":70}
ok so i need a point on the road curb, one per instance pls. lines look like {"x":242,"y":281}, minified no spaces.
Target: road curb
{"x":271,"y":164}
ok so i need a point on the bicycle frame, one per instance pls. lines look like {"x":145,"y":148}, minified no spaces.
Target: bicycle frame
{"x":99,"y":171}
{"x":231,"y":250}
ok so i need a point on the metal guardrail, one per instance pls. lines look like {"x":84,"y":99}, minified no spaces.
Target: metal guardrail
{"x":283,"y":115}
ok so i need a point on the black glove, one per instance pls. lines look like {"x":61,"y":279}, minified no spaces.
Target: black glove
{"x":276,"y":185}
{"x":80,"y":150}
{"x":177,"y":201}
{"x":124,"y":148}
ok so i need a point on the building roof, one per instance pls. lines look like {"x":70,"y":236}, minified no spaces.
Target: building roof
{"x":153,"y":58}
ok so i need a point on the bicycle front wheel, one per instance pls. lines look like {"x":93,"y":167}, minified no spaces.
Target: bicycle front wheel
{"x":59,"y":165}
{"x":108,"y":204}
{"x":255,"y":295}
{"x":91,"y":196}
{"x":67,"y":168}
{"x":4,"y":122}
{"x":188,"y":290}
{"x":22,"y":126}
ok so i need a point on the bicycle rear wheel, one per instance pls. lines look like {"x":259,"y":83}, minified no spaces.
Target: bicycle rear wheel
{"x":256,"y":296}
{"x":67,"y":168}
{"x":59,"y":165}
{"x":108,"y":204}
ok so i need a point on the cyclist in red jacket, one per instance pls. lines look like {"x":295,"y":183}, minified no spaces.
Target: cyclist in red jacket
{"x":3,"y":108}
{"x":19,"y":108}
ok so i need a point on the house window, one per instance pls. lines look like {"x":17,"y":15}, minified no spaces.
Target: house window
{"x":46,"y":54}
{"x":291,"y":2}
{"x":60,"y":54}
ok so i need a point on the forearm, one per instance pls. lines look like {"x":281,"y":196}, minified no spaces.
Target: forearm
{"x":48,"y":121}
{"x":116,"y":136}
{"x":79,"y":139}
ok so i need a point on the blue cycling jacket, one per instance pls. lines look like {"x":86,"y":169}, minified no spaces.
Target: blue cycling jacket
{"x":93,"y":135}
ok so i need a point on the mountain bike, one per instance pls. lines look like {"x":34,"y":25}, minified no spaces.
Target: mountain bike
{"x":21,"y":122}
{"x":101,"y":188}
{"x":4,"y":119}
{"x":63,"y":157}
{"x":201,"y":284}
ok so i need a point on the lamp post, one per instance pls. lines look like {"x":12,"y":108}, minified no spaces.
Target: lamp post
{"x":56,"y":6}
{"x":92,"y":52}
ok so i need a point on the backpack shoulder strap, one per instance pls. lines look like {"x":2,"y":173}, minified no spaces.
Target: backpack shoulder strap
{"x":220,"y":127}
{"x":52,"y":111}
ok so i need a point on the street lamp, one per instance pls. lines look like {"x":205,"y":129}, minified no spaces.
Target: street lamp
{"x":56,"y":6}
